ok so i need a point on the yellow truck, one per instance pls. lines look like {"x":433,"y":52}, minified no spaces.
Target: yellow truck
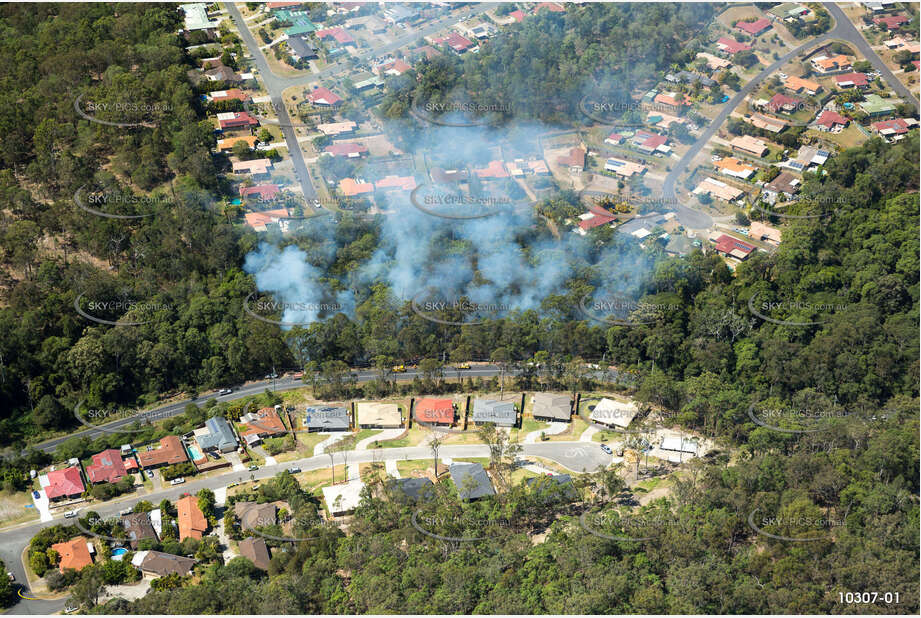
{"x":399,"y":368}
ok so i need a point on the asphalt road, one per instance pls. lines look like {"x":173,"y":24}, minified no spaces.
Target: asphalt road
{"x":843,"y":30}
{"x":576,"y":456}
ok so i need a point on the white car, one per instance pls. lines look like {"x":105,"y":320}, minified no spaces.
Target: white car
{"x":125,"y":512}
{"x":178,"y":481}
{"x":70,"y":514}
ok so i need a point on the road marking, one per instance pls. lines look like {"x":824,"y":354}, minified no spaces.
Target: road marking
{"x":28,"y":598}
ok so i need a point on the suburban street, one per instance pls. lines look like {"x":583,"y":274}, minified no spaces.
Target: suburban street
{"x":844,"y":30}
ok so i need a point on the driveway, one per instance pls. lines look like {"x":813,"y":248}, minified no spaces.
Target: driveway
{"x":384,"y":434}
{"x":550,"y":430}
{"x":320,"y":448}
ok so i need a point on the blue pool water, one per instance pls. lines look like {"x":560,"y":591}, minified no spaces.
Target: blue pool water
{"x":236,"y":202}
{"x":118,"y":553}
{"x":194,"y":453}
{"x":849,"y":105}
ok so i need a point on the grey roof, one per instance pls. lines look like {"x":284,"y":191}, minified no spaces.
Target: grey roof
{"x":327,"y":419}
{"x":220,"y":435}
{"x":471,"y":481}
{"x":301,"y":48}
{"x":257,"y":552}
{"x":138,"y":527}
{"x":689,"y":78}
{"x":548,"y":405}
{"x":414,"y":488}
{"x":563,"y":481}
{"x":254,"y":515}
{"x":399,"y":12}
{"x":492,"y":411}
{"x":165,"y":564}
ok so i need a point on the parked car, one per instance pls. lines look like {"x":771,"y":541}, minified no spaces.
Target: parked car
{"x":178,"y":481}
{"x":70,"y":514}
{"x":125,"y":512}
{"x":71,"y":607}
{"x":294,"y":469}
{"x":225,"y":391}
{"x":36,"y":495}
{"x":149,"y":473}
{"x":607,"y":449}
{"x":253,"y":467}
{"x":11,"y":576}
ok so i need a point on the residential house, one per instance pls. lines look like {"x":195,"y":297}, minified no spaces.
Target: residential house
{"x":323,"y":97}
{"x":349,"y":150}
{"x":191,"y":520}
{"x":799,"y":85}
{"x":495,"y":169}
{"x":412,"y":489}
{"x":63,"y":484}
{"x":107,"y":467}
{"x":337,"y":34}
{"x":443,"y":176}
{"x":256,"y":551}
{"x":195,"y":17}
{"x":831,"y":64}
{"x":454,"y":41}
{"x":234,"y":94}
{"x":624,"y":168}
{"x":749,"y":145}
{"x":378,"y":415}
{"x":732,"y":247}
{"x":895,"y":129}
{"x":429,"y":52}
{"x":714,"y":63}
{"x":327,"y":419}
{"x":768,"y":123}
{"x":730,"y":46}
{"x":171,"y":451}
{"x":785,"y":184}
{"x":891,"y":22}
{"x":222,"y":73}
{"x":434,"y":411}
{"x":253,"y":515}
{"x":575,"y":160}
{"x":491,"y":411}
{"x":852,"y":80}
{"x":259,"y":221}
{"x":253,"y":167}
{"x":807,"y":157}
{"x":262,"y":424}
{"x":218,"y":436}
{"x":349,"y":187}
{"x":471,"y":481}
{"x":874,"y":105}
{"x":265,"y":193}
{"x":831,"y":121}
{"x":301,"y":49}
{"x":398,"y":13}
{"x":160,"y":564}
{"x":719,"y":189}
{"x":230,"y":121}
{"x":754,"y":28}
{"x":550,"y":407}
{"x":517,"y":15}
{"x":391,"y":68}
{"x":613,"y":413}
{"x":782,"y":103}
{"x":614,"y":139}
{"x":76,"y":554}
{"x":395,"y":183}
{"x":596,"y":217}
{"x":344,"y":498}
{"x":337,"y":128}
{"x":227,"y":144}
{"x":138,"y":526}
{"x":553,"y":7}
{"x":763,"y":232}
{"x":650,"y":143}
{"x":671,"y":101}
{"x":900,"y":43}
{"x":735,"y":168}
{"x":689,"y":78}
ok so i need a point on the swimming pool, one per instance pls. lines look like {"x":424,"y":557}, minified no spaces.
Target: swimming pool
{"x":118,"y":553}
{"x":194,"y":452}
{"x":236,"y":202}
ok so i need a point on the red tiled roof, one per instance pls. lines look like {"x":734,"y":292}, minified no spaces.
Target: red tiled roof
{"x":267,"y":423}
{"x":345,"y":149}
{"x":66,"y":482}
{"x":896,"y":126}
{"x":323,"y":96}
{"x":337,"y":33}
{"x":595,"y":220}
{"x":728,"y":244}
{"x":171,"y":451}
{"x":649,"y":140}
{"x":265,"y":192}
{"x":829,"y":119}
{"x":405,"y":183}
{"x":575,"y":158}
{"x":495,"y":169}
{"x":192,"y":522}
{"x":731,"y":45}
{"x":891,"y":21}
{"x":107,"y":466}
{"x":233,"y":93}
{"x":518,"y":15}
{"x":454,"y":41}
{"x":239,"y":119}
{"x":857,"y":79}
{"x":778,"y":101}
{"x":74,"y":554}
{"x":754,"y":27}
{"x":553,"y":7}
{"x":430,"y":410}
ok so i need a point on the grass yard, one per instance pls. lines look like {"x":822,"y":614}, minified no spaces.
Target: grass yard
{"x":13,"y":508}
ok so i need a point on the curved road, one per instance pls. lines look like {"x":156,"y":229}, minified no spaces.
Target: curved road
{"x":843,"y":30}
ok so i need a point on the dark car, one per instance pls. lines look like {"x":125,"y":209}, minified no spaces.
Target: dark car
{"x":36,"y":495}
